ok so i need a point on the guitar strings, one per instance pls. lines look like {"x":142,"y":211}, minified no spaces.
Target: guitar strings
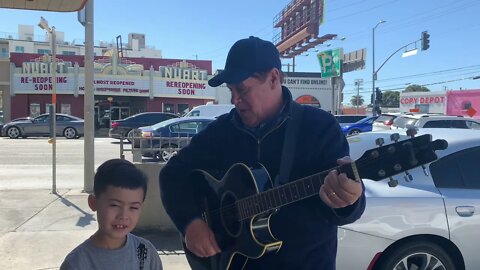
{"x":233,"y":207}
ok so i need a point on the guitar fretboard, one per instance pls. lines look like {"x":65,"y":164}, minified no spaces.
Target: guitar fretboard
{"x":282,"y":195}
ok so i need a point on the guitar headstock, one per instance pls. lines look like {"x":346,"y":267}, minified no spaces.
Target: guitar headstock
{"x":391,"y":159}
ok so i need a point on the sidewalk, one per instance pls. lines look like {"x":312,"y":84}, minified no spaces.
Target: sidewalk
{"x":38,"y":229}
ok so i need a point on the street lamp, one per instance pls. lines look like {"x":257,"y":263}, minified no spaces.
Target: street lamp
{"x":374,"y":73}
{"x":53,"y":70}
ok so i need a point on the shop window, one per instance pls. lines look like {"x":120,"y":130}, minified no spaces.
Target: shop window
{"x":182,"y":109}
{"x":4,"y":53}
{"x":467,"y":105}
{"x":66,"y":109}
{"x":34,"y":110}
{"x":168,"y":107}
{"x":43,"y":51}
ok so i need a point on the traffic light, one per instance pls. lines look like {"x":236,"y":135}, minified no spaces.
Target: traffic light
{"x":378,"y":96}
{"x":425,"y":41}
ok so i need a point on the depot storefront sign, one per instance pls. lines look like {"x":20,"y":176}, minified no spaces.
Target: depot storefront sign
{"x":423,"y":100}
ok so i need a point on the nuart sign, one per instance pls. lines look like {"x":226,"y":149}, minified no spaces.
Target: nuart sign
{"x":112,"y":76}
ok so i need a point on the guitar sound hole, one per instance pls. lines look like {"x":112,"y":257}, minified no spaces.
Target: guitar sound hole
{"x":230,"y":216}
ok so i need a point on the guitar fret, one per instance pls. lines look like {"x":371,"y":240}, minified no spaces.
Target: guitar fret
{"x":289,"y":194}
{"x":257,"y":205}
{"x":318,"y":183}
{"x":269,"y":200}
{"x":250,"y":207}
{"x":263,"y":202}
{"x":300,"y":189}
{"x":294,"y":189}
{"x":305,"y":191}
{"x":283,"y":196}
{"x":243,"y":211}
{"x":276,"y":197}
{"x":310,"y":188}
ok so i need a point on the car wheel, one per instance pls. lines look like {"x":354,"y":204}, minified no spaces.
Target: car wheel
{"x":421,"y":255}
{"x":130,"y":135}
{"x":133,"y":138}
{"x":70,"y":133}
{"x":167,"y":154}
{"x":13,"y":132}
{"x":354,"y":132}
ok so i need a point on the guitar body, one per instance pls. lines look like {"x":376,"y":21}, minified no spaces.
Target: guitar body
{"x":239,"y":240}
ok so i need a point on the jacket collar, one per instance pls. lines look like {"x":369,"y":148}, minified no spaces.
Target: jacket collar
{"x":273,"y":123}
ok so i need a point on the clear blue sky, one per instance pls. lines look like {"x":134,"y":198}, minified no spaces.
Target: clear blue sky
{"x":206,"y":29}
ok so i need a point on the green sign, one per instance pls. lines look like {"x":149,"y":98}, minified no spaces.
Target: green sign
{"x":330,"y":62}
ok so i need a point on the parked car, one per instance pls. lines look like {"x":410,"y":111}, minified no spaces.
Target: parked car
{"x":435,"y":121}
{"x":384,"y":121}
{"x":429,"y":222}
{"x":67,"y":125}
{"x":363,"y":125}
{"x":210,"y":110}
{"x":162,"y":141}
{"x":348,"y":119}
{"x":125,"y":128}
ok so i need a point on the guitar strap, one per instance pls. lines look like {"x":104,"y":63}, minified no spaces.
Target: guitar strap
{"x":289,"y":143}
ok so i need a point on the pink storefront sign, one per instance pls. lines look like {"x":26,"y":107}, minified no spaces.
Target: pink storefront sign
{"x":464,"y":102}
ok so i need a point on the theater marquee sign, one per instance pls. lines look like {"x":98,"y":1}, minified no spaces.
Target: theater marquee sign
{"x":112,"y":76}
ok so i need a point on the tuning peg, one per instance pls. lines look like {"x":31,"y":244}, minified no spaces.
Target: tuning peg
{"x":411,"y":131}
{"x":392,"y":182}
{"x":408,"y":177}
{"x":395,"y":137}
{"x":425,"y":171}
{"x":379,"y":141}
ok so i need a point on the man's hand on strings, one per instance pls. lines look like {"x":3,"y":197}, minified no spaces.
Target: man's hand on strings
{"x":338,"y":190}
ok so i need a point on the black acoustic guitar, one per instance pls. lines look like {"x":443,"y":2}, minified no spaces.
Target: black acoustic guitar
{"x":238,"y":207}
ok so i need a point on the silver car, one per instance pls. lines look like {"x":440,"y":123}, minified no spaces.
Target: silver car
{"x":428,"y":221}
{"x":67,"y":125}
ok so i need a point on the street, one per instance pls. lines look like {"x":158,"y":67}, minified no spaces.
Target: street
{"x":27,"y":163}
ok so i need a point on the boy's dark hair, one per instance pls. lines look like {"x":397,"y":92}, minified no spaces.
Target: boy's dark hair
{"x":119,"y":173}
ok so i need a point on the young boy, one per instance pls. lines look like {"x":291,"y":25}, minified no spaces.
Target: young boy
{"x":119,"y":192}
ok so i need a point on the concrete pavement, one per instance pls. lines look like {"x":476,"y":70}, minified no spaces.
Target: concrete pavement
{"x":39,"y":228}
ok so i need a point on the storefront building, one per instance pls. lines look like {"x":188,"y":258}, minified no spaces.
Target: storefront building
{"x":127,"y":86}
{"x":123,"y":86}
{"x":455,"y":102}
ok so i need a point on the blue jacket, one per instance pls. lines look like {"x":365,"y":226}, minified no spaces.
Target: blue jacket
{"x":304,"y":227}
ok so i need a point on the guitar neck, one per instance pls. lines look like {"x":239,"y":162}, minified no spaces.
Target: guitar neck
{"x":289,"y":193}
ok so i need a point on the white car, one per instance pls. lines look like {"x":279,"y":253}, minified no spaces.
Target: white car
{"x":435,"y":121}
{"x":430,"y":221}
{"x":384,"y":121}
{"x":210,"y":110}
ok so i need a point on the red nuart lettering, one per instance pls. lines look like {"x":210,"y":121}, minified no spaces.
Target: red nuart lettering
{"x":186,"y":92}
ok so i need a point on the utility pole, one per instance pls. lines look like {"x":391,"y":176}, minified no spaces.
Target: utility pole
{"x":89,"y":103}
{"x":374,"y":73}
{"x":358,"y":84}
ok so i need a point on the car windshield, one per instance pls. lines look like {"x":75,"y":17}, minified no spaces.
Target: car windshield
{"x":164,"y":123}
{"x":402,"y":122}
{"x":384,"y":117}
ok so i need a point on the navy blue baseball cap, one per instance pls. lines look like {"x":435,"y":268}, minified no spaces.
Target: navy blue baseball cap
{"x":247,"y":57}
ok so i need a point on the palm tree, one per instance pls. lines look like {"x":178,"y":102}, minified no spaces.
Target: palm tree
{"x":357,"y":100}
